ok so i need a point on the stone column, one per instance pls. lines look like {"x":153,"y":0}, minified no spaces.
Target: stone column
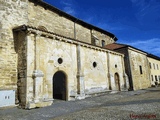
{"x":80,"y":76}
{"x":38,"y":85}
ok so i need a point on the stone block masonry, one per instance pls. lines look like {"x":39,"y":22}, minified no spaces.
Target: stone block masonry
{"x":31,"y":56}
{"x":12,"y":13}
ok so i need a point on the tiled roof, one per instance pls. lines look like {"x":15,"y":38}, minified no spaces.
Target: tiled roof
{"x":114,"y":46}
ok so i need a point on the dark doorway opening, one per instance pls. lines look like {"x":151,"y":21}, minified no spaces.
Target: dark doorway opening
{"x":59,"y":86}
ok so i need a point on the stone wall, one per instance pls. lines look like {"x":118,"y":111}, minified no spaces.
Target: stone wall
{"x":42,"y":61}
{"x":117,"y":67}
{"x":140,"y":77}
{"x":100,"y":36}
{"x":127,"y":65}
{"x":20,"y":46}
{"x":12,"y":14}
{"x":85,"y":66}
{"x":38,"y":16}
{"x":56,"y":22}
{"x":94,"y":69}
{"x":30,"y":57}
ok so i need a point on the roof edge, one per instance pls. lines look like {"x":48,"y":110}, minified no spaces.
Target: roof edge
{"x":153,"y":56}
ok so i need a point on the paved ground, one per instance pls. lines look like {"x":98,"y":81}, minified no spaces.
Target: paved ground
{"x":139,"y":105}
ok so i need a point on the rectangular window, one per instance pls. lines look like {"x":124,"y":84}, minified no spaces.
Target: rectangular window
{"x":103,"y":43}
{"x":156,"y":78}
{"x":157,"y":67}
{"x":140,"y":68}
{"x":152,"y":77}
{"x":159,"y":78}
{"x":153,"y":65}
{"x":150,"y":65}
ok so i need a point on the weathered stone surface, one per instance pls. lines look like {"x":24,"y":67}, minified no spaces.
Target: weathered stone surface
{"x":59,"y":24}
{"x":12,"y":14}
{"x":30,"y":57}
{"x":140,"y":80}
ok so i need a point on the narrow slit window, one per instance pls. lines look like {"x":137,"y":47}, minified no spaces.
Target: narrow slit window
{"x":150,"y":65}
{"x":154,"y":65}
{"x":140,"y":68}
{"x":156,"y":78}
{"x":152,"y":77}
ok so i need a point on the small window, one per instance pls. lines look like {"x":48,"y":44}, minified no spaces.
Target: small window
{"x":60,"y":60}
{"x":115,"y":65}
{"x":150,"y":65}
{"x":103,"y":43}
{"x":140,"y":68}
{"x":94,"y":64}
{"x":159,"y":78}
{"x":157,"y":67}
{"x":42,"y":28}
{"x":153,"y":65}
{"x":152,"y":77}
{"x":156,"y":78}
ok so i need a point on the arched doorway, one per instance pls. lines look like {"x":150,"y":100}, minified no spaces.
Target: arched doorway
{"x":59,"y":86}
{"x":117,"y":82}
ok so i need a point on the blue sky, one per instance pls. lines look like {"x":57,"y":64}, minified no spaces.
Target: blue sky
{"x":134,"y":22}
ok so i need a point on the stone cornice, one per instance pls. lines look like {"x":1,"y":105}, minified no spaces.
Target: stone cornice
{"x":52,"y":35}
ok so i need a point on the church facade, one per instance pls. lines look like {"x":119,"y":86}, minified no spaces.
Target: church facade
{"x":47,"y":54}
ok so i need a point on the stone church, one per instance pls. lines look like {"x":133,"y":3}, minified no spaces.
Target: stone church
{"x":47,"y":54}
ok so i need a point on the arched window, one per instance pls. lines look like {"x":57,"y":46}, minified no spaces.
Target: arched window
{"x":42,"y":28}
{"x":103,"y":43}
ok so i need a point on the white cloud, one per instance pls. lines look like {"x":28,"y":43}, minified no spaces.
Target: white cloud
{"x":146,"y":10}
{"x":68,"y":7}
{"x":151,"y":45}
{"x":69,"y":10}
{"x":66,"y":3}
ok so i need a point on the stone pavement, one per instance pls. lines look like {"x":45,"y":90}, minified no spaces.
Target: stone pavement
{"x":140,"y":104}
